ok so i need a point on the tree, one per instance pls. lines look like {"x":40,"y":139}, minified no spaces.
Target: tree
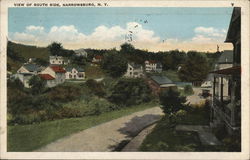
{"x":127,"y":48}
{"x":114,"y":64}
{"x":95,"y":87}
{"x":195,"y":68}
{"x":171,"y":101}
{"x":56,"y":49}
{"x":37,"y":84}
{"x":188,"y":90}
{"x":130,"y":92}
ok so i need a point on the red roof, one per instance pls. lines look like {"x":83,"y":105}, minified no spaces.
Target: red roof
{"x":46,"y":76}
{"x":229,"y":71}
{"x":58,"y":69}
{"x":152,"y":61}
{"x":98,"y":57}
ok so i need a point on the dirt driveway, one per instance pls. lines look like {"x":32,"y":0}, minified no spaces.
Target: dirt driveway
{"x":106,"y":136}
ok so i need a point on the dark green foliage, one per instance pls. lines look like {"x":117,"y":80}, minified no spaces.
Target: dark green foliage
{"x":55,"y":49}
{"x":64,"y":94}
{"x":95,"y":87}
{"x":41,"y":62}
{"x":195,"y":67}
{"x":188,"y":90}
{"x":114,"y":64}
{"x":171,"y":101}
{"x":14,"y":55}
{"x":78,"y":60}
{"x":130,"y":91}
{"x":37,"y":84}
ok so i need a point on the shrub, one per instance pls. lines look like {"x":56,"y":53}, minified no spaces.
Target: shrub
{"x":95,"y":87}
{"x":171,"y":101}
{"x":188,"y":90}
{"x":130,"y":92}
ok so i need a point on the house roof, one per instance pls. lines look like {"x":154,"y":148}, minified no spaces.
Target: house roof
{"x":135,"y":66}
{"x":236,"y":70}
{"x":98,"y":57}
{"x":234,"y":26}
{"x":161,"y":80}
{"x":46,"y":76}
{"x":32,"y":67}
{"x":226,"y":57}
{"x":69,"y":69}
{"x":57,"y":69}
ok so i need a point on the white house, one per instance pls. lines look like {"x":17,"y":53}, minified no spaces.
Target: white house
{"x":58,"y":60}
{"x":29,"y":68}
{"x":24,"y":78}
{"x":153,"y":66}
{"x":50,"y":81}
{"x":55,"y":71}
{"x":81,"y":52}
{"x":74,"y":73}
{"x":134,"y":71}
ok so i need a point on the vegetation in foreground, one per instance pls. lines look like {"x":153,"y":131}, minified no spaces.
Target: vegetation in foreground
{"x":30,"y":137}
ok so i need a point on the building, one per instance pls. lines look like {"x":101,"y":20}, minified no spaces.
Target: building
{"x":226,"y":100}
{"x":58,"y":60}
{"x":153,"y":66}
{"x":29,"y":68}
{"x":24,"y":78}
{"x":81,"y":52}
{"x":74,"y":73}
{"x":134,"y":71}
{"x":97,"y":59}
{"x":160,"y":83}
{"x":56,"y":72}
{"x":50,"y":81}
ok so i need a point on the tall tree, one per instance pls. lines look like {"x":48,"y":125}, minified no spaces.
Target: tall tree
{"x":56,"y":49}
{"x":114,"y":64}
{"x":195,"y":68}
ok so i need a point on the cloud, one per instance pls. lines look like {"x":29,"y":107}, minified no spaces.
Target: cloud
{"x":69,"y":36}
{"x":208,"y":35}
{"x":104,"y":37}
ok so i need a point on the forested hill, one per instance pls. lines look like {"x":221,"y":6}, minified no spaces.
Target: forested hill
{"x":17,"y":54}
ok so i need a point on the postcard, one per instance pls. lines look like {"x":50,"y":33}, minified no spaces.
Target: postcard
{"x":124,"y":79}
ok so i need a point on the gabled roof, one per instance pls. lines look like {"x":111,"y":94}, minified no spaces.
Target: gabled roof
{"x":234,"y":25}
{"x":57,"y":69}
{"x":135,"y":66}
{"x":69,"y":69}
{"x":80,"y":69}
{"x":32,"y":67}
{"x":226,"y":57}
{"x":46,"y":76}
{"x":161,"y":80}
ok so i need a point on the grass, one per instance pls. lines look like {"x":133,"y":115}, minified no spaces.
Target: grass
{"x":165,"y":138}
{"x":30,"y":137}
{"x":93,"y":72}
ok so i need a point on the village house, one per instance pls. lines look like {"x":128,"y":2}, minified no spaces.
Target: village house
{"x":74,"y":73}
{"x":58,"y":60}
{"x":81,"y":52}
{"x":134,"y":71}
{"x":25,"y":72}
{"x":160,"y":83}
{"x":50,"y":81}
{"x":226,"y":101}
{"x":29,"y":68}
{"x":96,"y":59}
{"x":153,"y":66}
{"x":56,"y":72}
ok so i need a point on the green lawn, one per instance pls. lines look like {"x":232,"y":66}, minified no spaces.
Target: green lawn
{"x":165,"y":138}
{"x":31,"y":137}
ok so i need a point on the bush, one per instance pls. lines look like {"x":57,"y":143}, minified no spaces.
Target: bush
{"x":188,"y":90}
{"x":95,"y":87}
{"x":128,"y":92}
{"x":171,"y":101}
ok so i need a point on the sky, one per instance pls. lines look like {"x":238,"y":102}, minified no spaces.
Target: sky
{"x":153,"y":29}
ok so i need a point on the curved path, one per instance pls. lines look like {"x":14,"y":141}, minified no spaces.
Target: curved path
{"x":106,"y":136}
